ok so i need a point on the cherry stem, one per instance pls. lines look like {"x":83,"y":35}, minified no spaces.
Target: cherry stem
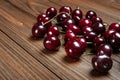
{"x":89,"y":42}
{"x":62,"y":32}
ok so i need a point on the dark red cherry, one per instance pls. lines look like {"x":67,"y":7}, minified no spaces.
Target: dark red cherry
{"x":114,"y":40}
{"x":84,"y":22}
{"x":69,"y":36}
{"x":77,"y":15}
{"x":115,"y":26}
{"x":99,"y":28}
{"x":66,"y":9}
{"x":98,"y":41}
{"x":66,"y":23}
{"x":86,"y":29}
{"x":90,"y":14}
{"x":96,"y":19}
{"x":61,"y":17}
{"x":73,"y":49}
{"x":53,"y":30}
{"x":41,"y":16}
{"x":104,"y":49}
{"x":73,"y":28}
{"x":90,"y":36}
{"x":52,"y":43}
{"x":38,"y":30}
{"x":45,"y":21}
{"x":109,"y":33}
{"x":102,"y":63}
{"x":51,"y":12}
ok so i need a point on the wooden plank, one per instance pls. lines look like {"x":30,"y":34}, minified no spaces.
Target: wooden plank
{"x":16,"y":63}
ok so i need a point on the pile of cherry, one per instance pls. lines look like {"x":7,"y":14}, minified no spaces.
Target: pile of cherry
{"x":79,"y":32}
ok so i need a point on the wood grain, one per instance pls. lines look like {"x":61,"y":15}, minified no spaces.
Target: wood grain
{"x":24,"y":58}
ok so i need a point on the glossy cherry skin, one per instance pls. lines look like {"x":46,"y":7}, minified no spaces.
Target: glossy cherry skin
{"x":69,"y":36}
{"x":114,"y":40}
{"x":115,"y":26}
{"x":73,"y":28}
{"x":51,"y":12}
{"x":38,"y":30}
{"x":86,"y":29}
{"x":52,"y":43}
{"x":84,"y":22}
{"x":96,"y":19}
{"x":66,"y":9}
{"x":66,"y":23}
{"x":53,"y":30}
{"x":104,"y":49}
{"x":41,"y":16}
{"x":90,"y":36}
{"x":109,"y":33}
{"x":77,"y":15}
{"x":73,"y":49}
{"x":62,"y":16}
{"x":99,"y":28}
{"x":98,"y":41}
{"x":90,"y":14}
{"x":102,"y":63}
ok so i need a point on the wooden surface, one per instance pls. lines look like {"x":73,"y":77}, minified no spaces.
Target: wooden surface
{"x":22,"y":58}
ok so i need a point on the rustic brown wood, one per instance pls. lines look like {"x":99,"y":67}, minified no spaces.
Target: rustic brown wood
{"x":24,"y":58}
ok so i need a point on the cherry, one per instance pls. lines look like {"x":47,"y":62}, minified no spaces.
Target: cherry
{"x":114,"y":40}
{"x":77,"y":15}
{"x":38,"y":30}
{"x":99,"y":28}
{"x":90,"y":36}
{"x":115,"y":26}
{"x":86,"y":29}
{"x":66,"y":23}
{"x":96,"y":19}
{"x":84,"y":22}
{"x":73,"y":28}
{"x":52,"y":42}
{"x":98,"y":41}
{"x":41,"y":16}
{"x":74,"y":49}
{"x":109,"y":33}
{"x":102,"y":63}
{"x":104,"y":49}
{"x":66,"y":9}
{"x":61,"y":17}
{"x":90,"y":14}
{"x":53,"y":30}
{"x":69,"y":36}
{"x":51,"y":12}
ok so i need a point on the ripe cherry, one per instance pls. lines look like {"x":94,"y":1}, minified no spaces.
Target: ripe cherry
{"x":52,"y":43}
{"x":96,"y":19}
{"x":66,"y":9}
{"x":38,"y":30}
{"x":90,"y":14}
{"x":41,"y":16}
{"x":86,"y":29}
{"x":102,"y":63}
{"x":51,"y":12}
{"x":109,"y":33}
{"x":53,"y":30}
{"x":61,"y":17}
{"x":115,"y":26}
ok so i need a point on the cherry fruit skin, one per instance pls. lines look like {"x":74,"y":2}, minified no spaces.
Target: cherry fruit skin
{"x":90,"y":14}
{"x":73,"y":28}
{"x":66,"y":9}
{"x":66,"y":23}
{"x":96,"y":19}
{"x":73,"y":49}
{"x":84,"y":22}
{"x":109,"y":33}
{"x":115,"y":26}
{"x":51,"y":12}
{"x":86,"y":29}
{"x":52,"y":43}
{"x":41,"y":16}
{"x":61,"y":17}
{"x":104,"y":49}
{"x":38,"y":30}
{"x":99,"y":28}
{"x":102,"y":63}
{"x":98,"y":41}
{"x":77,"y":15}
{"x":53,"y":30}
